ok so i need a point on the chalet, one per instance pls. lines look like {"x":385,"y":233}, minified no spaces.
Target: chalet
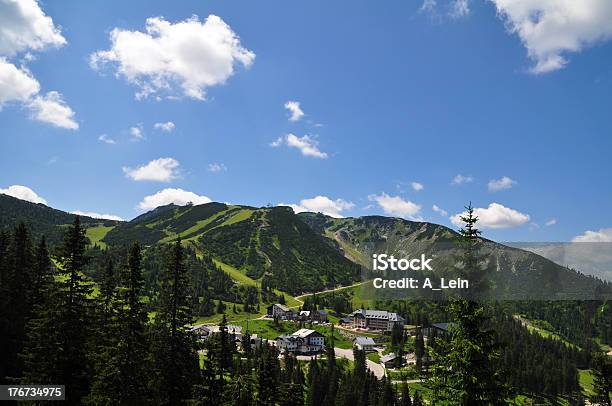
{"x":303,"y":341}
{"x":376,"y":320}
{"x":281,"y":311}
{"x":390,"y":360}
{"x":201,"y":331}
{"x":346,"y":321}
{"x":319,"y":316}
{"x":364,"y":343}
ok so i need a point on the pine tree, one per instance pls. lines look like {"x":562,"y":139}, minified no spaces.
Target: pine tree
{"x":602,"y":380}
{"x":75,"y":308}
{"x":405,"y":395}
{"x":175,"y":360}
{"x":466,"y":364}
{"x":123,"y":370}
{"x":19,"y":284}
{"x":41,"y":351}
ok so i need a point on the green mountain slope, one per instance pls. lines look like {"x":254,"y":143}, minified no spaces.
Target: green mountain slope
{"x":262,"y":243}
{"x":514,"y":273}
{"x":42,"y":219}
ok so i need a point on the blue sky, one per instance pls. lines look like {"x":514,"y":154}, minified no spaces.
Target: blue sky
{"x":408,"y":92}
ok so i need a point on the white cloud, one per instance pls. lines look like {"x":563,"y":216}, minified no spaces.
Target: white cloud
{"x":25,"y":26}
{"x":307,"y":145}
{"x":495,"y":185}
{"x":603,"y":235}
{"x":95,"y":215}
{"x":494,"y":216}
{"x":396,"y":206}
{"x":416,"y":186}
{"x":16,"y":84}
{"x":185,"y":58}
{"x":295,"y":110}
{"x":550,"y":222}
{"x":550,"y":29}
{"x":167,"y":127}
{"x":136,"y":132}
{"x":460,"y":179}
{"x":322,"y":204}
{"x":106,"y":139}
{"x":216,"y":167}
{"x":23,"y":193}
{"x":52,"y":109}
{"x":439,"y":210}
{"x":459,"y":8}
{"x":177,"y":196}
{"x":159,"y":170}
{"x":428,"y":6}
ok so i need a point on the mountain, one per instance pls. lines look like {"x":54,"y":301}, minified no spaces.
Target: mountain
{"x":258,"y":242}
{"x":514,"y":273}
{"x":42,"y":219}
{"x":308,"y":252}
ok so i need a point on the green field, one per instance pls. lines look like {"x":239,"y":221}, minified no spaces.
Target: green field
{"x":96,"y":234}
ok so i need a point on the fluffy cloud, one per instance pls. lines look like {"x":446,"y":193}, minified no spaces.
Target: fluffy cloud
{"x":459,"y":8}
{"x":550,"y":222}
{"x":603,"y":235}
{"x":106,"y":139}
{"x":52,"y":109}
{"x":23,"y":193}
{"x":307,"y":145}
{"x":322,"y":204}
{"x":16,"y":84}
{"x":177,"y":196}
{"x":396,"y":206}
{"x":295,"y":110}
{"x":495,"y":185}
{"x":185,"y":57}
{"x":216,"y":167}
{"x":454,"y":8}
{"x":25,"y":26}
{"x":95,"y":215}
{"x":167,"y":127}
{"x":460,"y":179}
{"x":494,"y":216}
{"x":549,"y":29}
{"x":159,"y":170}
{"x":439,"y":210}
{"x":136,"y":132}
{"x":416,"y":186}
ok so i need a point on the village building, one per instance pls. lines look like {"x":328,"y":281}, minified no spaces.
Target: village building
{"x":304,"y":341}
{"x":203,"y":332}
{"x":364,"y":343}
{"x":381,"y":320}
{"x":281,"y":312}
{"x":390,"y":360}
{"x":319,"y":316}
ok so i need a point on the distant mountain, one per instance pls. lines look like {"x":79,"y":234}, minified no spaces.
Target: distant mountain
{"x":256,"y":241}
{"x":514,"y":273}
{"x":305,"y":252}
{"x":41,"y":219}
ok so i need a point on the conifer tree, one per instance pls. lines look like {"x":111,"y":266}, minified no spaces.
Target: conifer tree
{"x":123,"y":371}
{"x":602,"y":380}
{"x":75,"y":308}
{"x":41,"y":352}
{"x":19,"y":284}
{"x":466,"y":364}
{"x":175,"y":360}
